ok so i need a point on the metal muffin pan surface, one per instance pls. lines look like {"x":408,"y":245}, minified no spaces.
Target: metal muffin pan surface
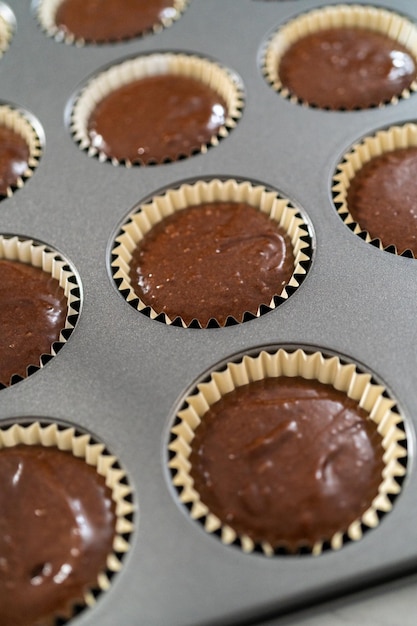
{"x":122,"y":376}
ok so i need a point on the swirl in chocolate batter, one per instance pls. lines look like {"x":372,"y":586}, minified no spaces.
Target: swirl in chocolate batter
{"x":287,"y":460}
{"x":211,"y":261}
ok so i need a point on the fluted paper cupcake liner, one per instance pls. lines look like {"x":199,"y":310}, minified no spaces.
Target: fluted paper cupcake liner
{"x":147,"y":215}
{"x":7,"y":27}
{"x":37,"y":254}
{"x":218,"y":78}
{"x":84,"y":446}
{"x":331,"y":370}
{"x":382,"y":142}
{"x":383,"y":21}
{"x":21,"y":123}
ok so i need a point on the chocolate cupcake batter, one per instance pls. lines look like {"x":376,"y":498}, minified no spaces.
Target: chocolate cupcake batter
{"x":14,"y":158}
{"x":57,"y":526}
{"x":382,"y":198}
{"x":212,"y":260}
{"x":33,"y":310}
{"x":287,"y":460}
{"x":98,"y":21}
{"x":156,"y":118}
{"x":346,"y":68}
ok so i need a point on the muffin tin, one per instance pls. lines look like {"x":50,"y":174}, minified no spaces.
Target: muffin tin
{"x":122,"y":376}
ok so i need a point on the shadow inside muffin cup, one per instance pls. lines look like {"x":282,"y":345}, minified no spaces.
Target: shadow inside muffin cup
{"x":367,"y":67}
{"x":68,"y":590}
{"x":205,"y":198}
{"x":62,"y":280}
{"x":261,"y":453}
{"x":392,"y":142}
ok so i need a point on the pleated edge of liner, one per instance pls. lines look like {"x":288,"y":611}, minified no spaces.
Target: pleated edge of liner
{"x":381,"y":142}
{"x":212,"y":191}
{"x":84,"y":445}
{"x":7,"y":29}
{"x":31,"y":252}
{"x":357,"y":384}
{"x":366,"y":16}
{"x":128,"y":70}
{"x":11,"y":117}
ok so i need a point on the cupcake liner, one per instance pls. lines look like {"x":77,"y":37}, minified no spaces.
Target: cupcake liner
{"x":7,"y":27}
{"x":207,"y":72}
{"x":382,"y":21}
{"x":84,"y":446}
{"x":34,"y":253}
{"x":19,"y":121}
{"x":381,"y":142}
{"x":47,"y":9}
{"x":147,"y":215}
{"x":358,"y":385}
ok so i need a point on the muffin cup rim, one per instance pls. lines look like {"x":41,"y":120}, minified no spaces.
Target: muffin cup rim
{"x":398,"y":131}
{"x":302,"y":234}
{"x":76,"y":122}
{"x":83,"y":444}
{"x":269,"y":62}
{"x":199,"y":512}
{"x":63,"y":270}
{"x":34,"y":137}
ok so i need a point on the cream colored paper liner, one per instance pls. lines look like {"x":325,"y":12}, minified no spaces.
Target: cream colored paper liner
{"x":316,"y":366}
{"x":383,"y":141}
{"x":6,"y":32}
{"x":83,"y":446}
{"x":47,"y":9}
{"x":141,"y":222}
{"x":15,"y":120}
{"x":41,"y":256}
{"x":361,"y":16}
{"x":203,"y":70}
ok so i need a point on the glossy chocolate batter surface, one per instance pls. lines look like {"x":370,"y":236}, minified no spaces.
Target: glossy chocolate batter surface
{"x":211,"y":261}
{"x":287,"y":460}
{"x":33,"y":310}
{"x":14,"y":158}
{"x":57,"y":525}
{"x":382,"y":198}
{"x":98,"y":21}
{"x":156,"y":118}
{"x":346,"y":68}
